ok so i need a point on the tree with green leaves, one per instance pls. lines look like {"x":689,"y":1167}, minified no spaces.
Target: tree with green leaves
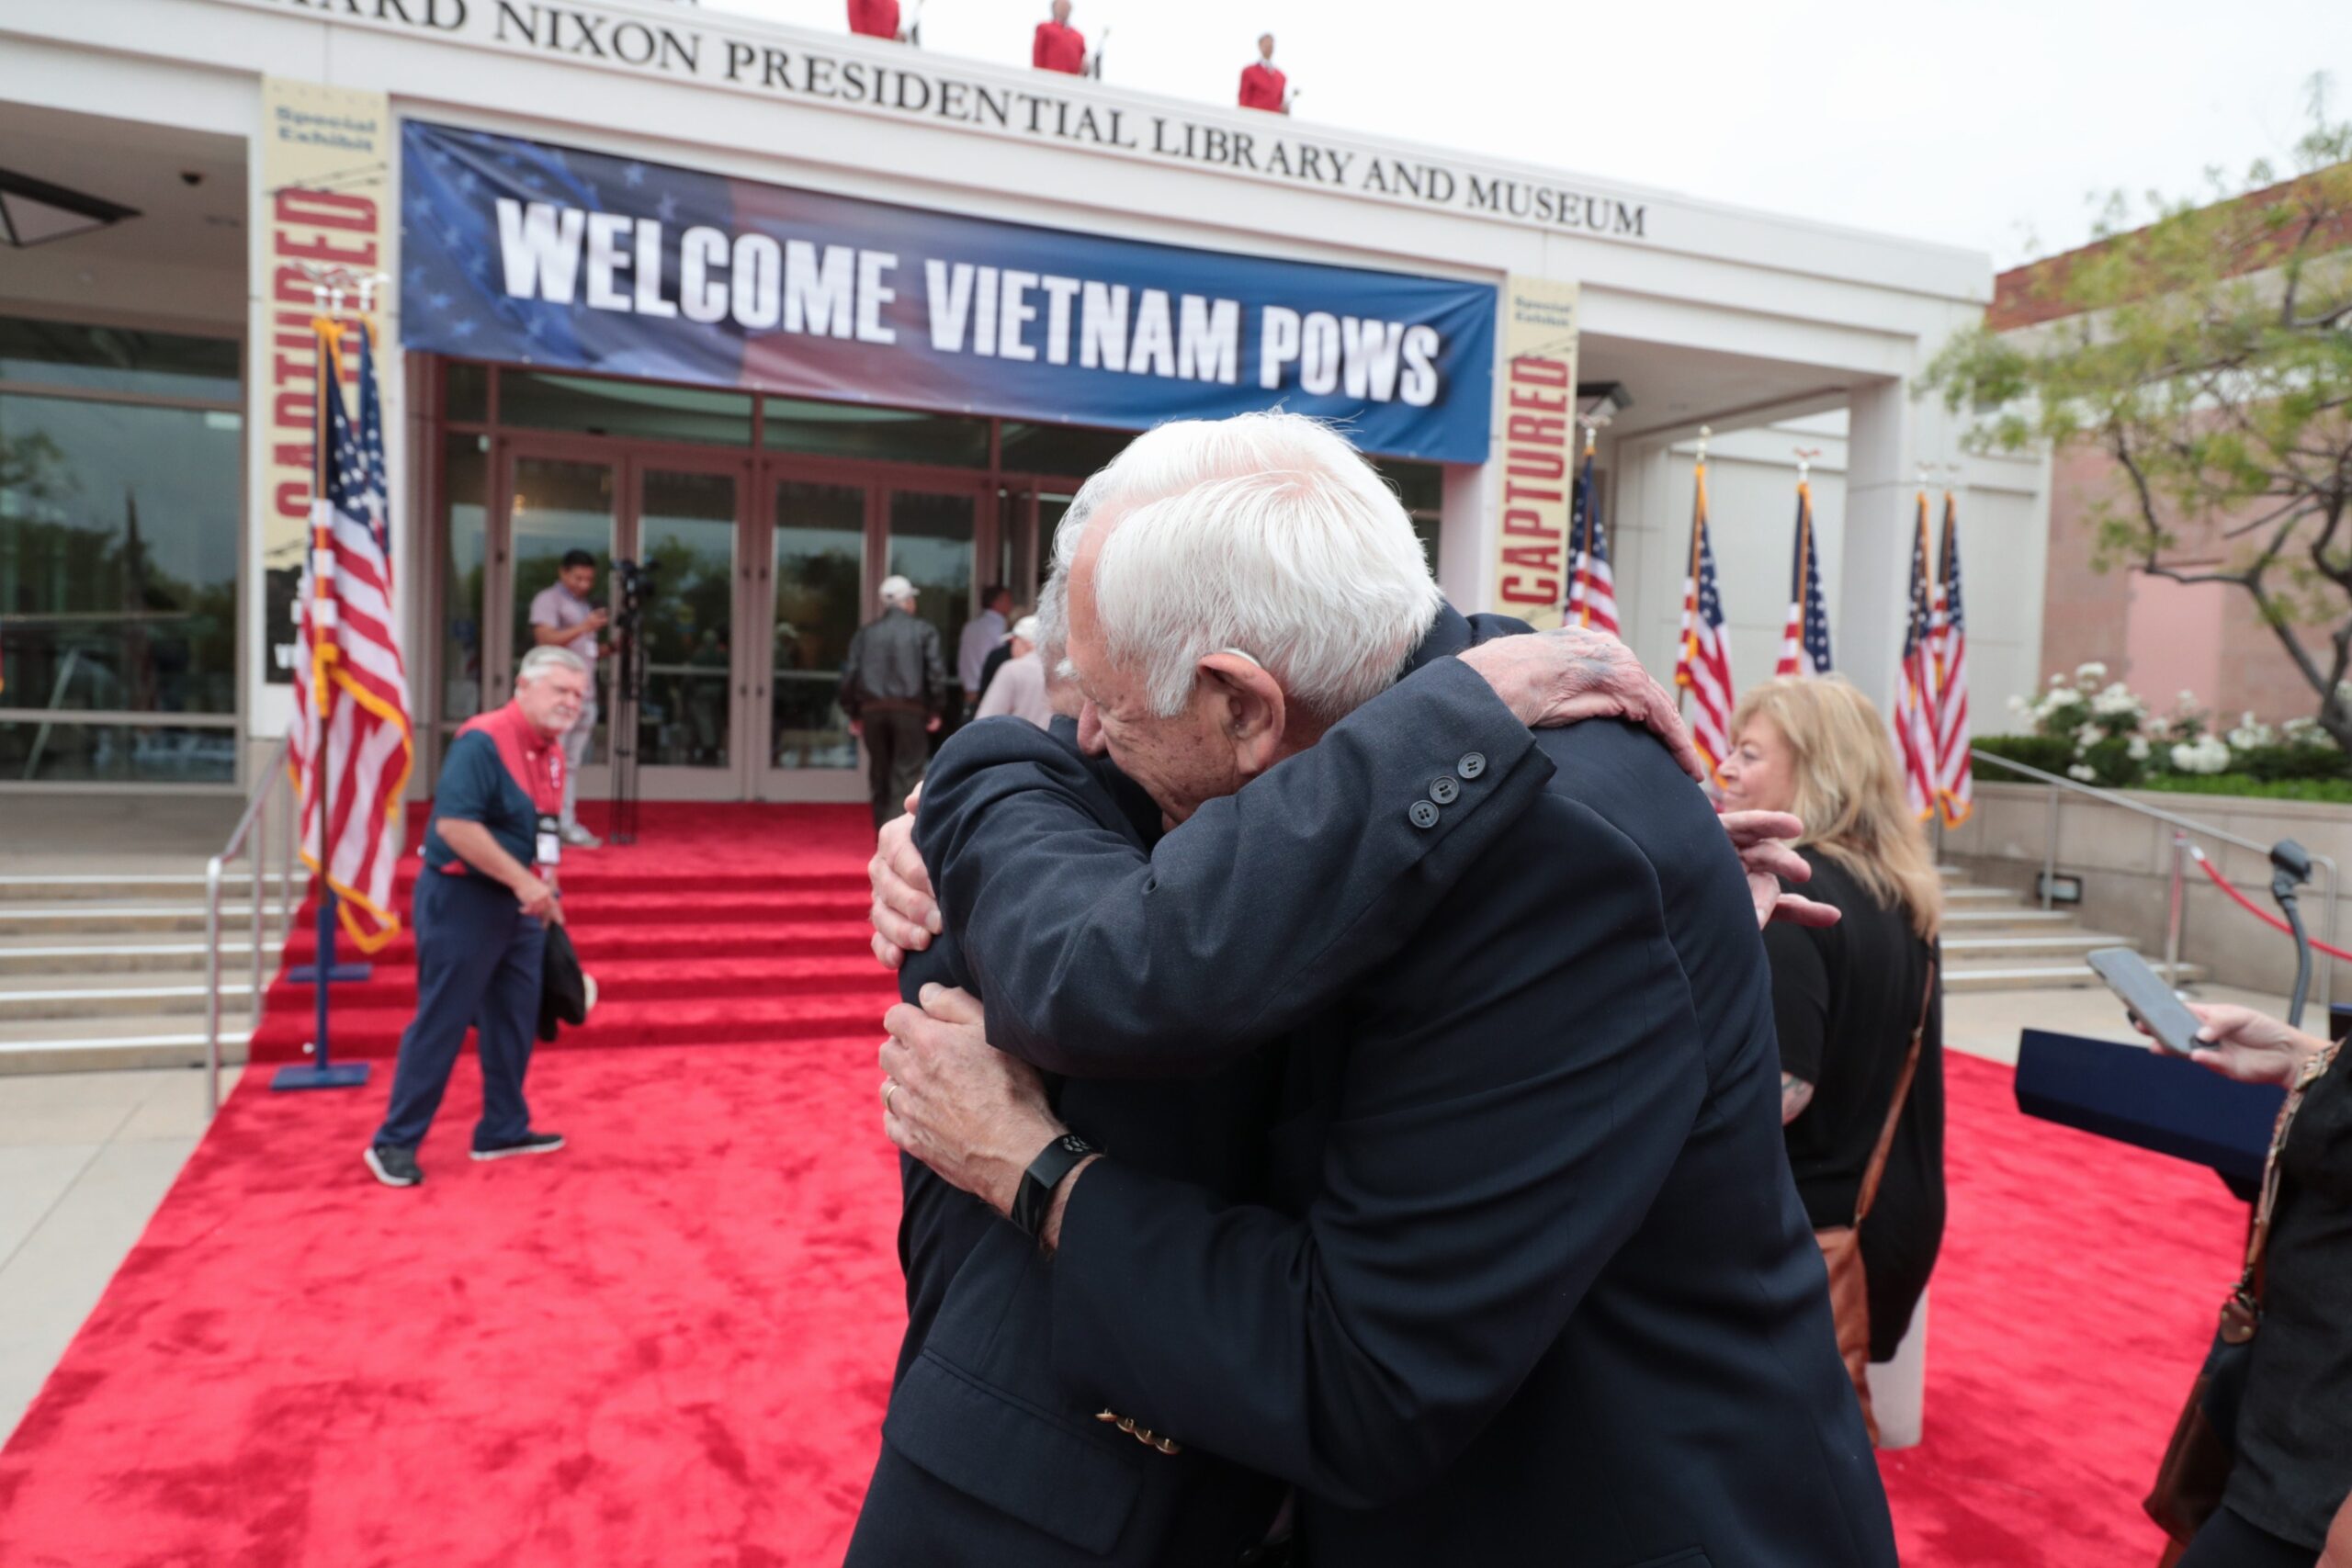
{"x":2208,"y":353}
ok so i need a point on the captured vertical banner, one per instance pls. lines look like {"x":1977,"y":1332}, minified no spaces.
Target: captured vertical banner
{"x":1537,"y":449}
{"x":321,"y":203}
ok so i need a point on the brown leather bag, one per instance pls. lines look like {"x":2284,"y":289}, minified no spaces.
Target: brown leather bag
{"x":1841,"y":1246}
{"x":2204,"y":1446}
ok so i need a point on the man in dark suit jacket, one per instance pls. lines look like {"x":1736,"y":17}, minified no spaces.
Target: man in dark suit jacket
{"x":1040,"y":1491}
{"x":1532,"y":1282}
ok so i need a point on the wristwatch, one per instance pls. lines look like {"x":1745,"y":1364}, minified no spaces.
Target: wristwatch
{"x":1035,"y":1197}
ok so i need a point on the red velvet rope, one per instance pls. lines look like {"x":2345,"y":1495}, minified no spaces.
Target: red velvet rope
{"x":2257,"y":910}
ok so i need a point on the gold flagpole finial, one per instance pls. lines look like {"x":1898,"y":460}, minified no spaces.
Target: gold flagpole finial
{"x":1706,"y":432}
{"x":1806,"y":455}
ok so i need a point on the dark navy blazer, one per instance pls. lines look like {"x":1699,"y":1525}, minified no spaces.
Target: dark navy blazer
{"x":1530,"y":1280}
{"x":989,"y":1456}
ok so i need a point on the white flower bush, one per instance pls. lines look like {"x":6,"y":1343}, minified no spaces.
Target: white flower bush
{"x":2208,"y":755}
{"x":2103,"y":732}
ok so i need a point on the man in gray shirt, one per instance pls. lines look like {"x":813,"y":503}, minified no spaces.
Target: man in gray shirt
{"x":562,"y":616}
{"x":894,"y":688}
{"x":982,"y":633}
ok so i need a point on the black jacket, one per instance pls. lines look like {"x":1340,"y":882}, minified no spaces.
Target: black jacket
{"x":563,"y":987}
{"x":1532,"y":1282}
{"x":989,"y":1456}
{"x":894,"y":658}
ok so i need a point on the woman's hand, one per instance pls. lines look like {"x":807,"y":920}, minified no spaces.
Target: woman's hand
{"x":2337,"y":1553}
{"x":1762,"y":839}
{"x":1570,"y":674}
{"x":2252,"y":1047}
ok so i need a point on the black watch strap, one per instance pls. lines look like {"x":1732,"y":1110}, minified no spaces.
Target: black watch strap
{"x":1035,"y":1196}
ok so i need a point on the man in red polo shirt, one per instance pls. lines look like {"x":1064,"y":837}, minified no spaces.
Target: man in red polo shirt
{"x":1059,"y":45}
{"x":875,"y":18}
{"x":482,"y":901}
{"x":1262,"y":86}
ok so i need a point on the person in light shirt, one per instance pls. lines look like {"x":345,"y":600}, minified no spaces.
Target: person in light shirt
{"x":982,"y":634}
{"x":1019,"y":688}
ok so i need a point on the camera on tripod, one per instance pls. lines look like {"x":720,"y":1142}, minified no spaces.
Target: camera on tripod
{"x":634,"y":583}
{"x":637,"y":583}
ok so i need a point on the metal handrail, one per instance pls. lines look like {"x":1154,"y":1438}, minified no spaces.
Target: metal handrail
{"x":2183,"y":828}
{"x":253,"y":824}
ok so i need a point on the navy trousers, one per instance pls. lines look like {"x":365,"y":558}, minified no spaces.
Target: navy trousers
{"x":478,"y":959}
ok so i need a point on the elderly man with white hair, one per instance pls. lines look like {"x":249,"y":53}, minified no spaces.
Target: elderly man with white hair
{"x":1495,"y":1257}
{"x":894,"y":693}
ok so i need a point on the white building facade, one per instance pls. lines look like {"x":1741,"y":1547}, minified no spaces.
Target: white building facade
{"x":782,"y":421}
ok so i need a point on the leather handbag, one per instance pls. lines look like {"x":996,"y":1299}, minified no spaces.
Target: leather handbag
{"x":1841,"y":1246}
{"x":2204,"y":1446}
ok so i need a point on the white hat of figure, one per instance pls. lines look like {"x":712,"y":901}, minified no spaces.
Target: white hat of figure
{"x":1026,"y":629}
{"x":898,"y":590}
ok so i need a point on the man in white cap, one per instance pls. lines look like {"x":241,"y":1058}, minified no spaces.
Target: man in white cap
{"x":1019,"y":688}
{"x":894,"y":690}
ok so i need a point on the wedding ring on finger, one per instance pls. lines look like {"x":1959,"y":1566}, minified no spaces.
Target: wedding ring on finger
{"x":889,"y":1087}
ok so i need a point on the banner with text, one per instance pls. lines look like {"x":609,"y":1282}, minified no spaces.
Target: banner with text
{"x":516,"y":250}
{"x":322,"y":204}
{"x":1539,"y":450}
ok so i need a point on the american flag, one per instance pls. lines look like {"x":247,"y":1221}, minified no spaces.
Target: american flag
{"x":1805,"y":647}
{"x":1592,"y":590}
{"x":1955,"y":785}
{"x":1915,"y":697}
{"x":348,"y":640}
{"x":1703,"y":667}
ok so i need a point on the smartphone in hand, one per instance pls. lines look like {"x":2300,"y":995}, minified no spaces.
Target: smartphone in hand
{"x":2167,"y":1017}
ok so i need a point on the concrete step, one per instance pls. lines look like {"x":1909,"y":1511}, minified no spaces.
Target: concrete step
{"x":2024,"y":976}
{"x":1973,"y":921}
{"x":24,"y":998}
{"x":1970,"y":895}
{"x":103,"y":1044}
{"x":157,"y":886}
{"x":96,"y":918}
{"x":2027,"y":944}
{"x":173,"y":954}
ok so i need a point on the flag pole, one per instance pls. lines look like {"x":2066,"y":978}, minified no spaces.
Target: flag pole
{"x":1690,"y":581}
{"x":1580,"y":586}
{"x":321,"y":1071}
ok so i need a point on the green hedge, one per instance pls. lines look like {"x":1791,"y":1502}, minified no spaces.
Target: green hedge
{"x":2263,"y":772}
{"x":2337,"y":791}
{"x":2051,"y":753}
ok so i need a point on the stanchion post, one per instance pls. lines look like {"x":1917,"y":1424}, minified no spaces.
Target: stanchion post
{"x":213,"y":987}
{"x":2049,"y":854}
{"x":2173,"y":917}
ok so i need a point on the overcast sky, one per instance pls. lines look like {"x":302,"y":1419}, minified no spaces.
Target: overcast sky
{"x":1980,"y":124}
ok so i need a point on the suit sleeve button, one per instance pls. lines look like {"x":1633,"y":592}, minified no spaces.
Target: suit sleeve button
{"x":1444,"y":791}
{"x":1473,"y":763}
{"x":1421,"y":813}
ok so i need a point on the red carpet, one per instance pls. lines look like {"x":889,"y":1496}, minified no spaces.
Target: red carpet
{"x":724,"y":925}
{"x":669,"y":1344}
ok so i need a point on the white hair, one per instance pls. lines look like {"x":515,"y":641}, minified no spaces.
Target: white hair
{"x":898,"y":590}
{"x":1266,"y":534}
{"x":1026,"y":629}
{"x":547,"y":657}
{"x":1052,"y":625}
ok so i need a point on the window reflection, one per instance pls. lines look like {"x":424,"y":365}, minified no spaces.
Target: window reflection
{"x":119,"y":534}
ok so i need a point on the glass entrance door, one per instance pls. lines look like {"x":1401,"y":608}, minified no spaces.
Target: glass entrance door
{"x":554,"y":503}
{"x":811,"y":594}
{"x":683,"y":531}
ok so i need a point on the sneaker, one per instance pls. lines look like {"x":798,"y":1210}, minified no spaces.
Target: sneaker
{"x":529,"y":1143}
{"x":580,"y":838}
{"x":393,"y":1166}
